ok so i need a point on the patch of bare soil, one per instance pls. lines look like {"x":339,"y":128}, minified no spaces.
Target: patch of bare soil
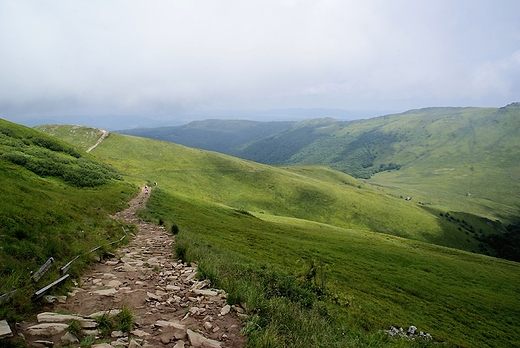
{"x":171,"y":307}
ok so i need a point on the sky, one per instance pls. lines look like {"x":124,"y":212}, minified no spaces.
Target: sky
{"x":167,"y":58}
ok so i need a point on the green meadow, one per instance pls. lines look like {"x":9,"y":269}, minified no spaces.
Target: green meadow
{"x":338,"y":241}
{"x":318,"y":258}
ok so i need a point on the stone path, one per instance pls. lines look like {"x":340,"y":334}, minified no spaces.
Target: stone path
{"x":172,"y":308}
{"x":101,"y":138}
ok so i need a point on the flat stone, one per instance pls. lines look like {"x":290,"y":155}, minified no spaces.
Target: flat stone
{"x":5,"y":329}
{"x":110,"y":313}
{"x":172,"y":288}
{"x":102,"y":345}
{"x":199,"y":341}
{"x":50,"y":317}
{"x":47,"y":329}
{"x":106,"y":292}
{"x":114,"y":283}
{"x":153,"y":296}
{"x":174,"y":324}
{"x":140,"y":333}
{"x":206,"y":292}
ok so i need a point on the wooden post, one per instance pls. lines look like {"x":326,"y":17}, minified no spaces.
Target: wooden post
{"x":39,"y":273}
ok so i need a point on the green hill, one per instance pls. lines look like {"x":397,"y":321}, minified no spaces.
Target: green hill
{"x":317,"y":256}
{"x":458,"y":159}
{"x":55,"y":203}
{"x":215,"y":135}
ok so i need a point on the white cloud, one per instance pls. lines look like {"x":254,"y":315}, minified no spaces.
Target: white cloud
{"x":163,"y":56}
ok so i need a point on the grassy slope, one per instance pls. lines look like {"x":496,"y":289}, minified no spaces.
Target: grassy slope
{"x":455,"y":158}
{"x":329,"y":197}
{"x":42,"y":217}
{"x":215,"y":135}
{"x":462,"y":298}
{"x":80,"y":136}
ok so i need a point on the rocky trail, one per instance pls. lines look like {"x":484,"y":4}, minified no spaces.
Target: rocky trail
{"x":170,"y":306}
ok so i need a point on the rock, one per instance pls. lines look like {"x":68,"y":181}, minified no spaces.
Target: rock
{"x":201,"y":285}
{"x":172,"y":288}
{"x":69,"y":338}
{"x":44,"y":343}
{"x":197,"y":340}
{"x":102,"y":345}
{"x":47,"y":329}
{"x":116,"y":334}
{"x":140,"y":333}
{"x":110,"y":313}
{"x":50,"y":299}
{"x":179,"y":344}
{"x":206,"y":292}
{"x":5,"y":329}
{"x":106,"y":292}
{"x":152,"y":296}
{"x":225,"y":310}
{"x":50,"y":317}
{"x":174,"y":324}
{"x":411,"y":330}
{"x":134,"y":344}
{"x":114,"y":283}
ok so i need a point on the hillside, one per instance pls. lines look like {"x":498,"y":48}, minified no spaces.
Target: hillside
{"x":215,"y":135}
{"x":464,"y":159}
{"x":303,"y":248}
{"x":56,"y":202}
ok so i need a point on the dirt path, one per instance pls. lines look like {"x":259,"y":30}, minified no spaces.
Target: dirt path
{"x":101,"y":138}
{"x":172,"y":308}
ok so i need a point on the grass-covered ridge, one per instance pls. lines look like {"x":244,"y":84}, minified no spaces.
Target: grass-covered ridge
{"x":311,"y":193}
{"x":242,"y":220}
{"x":48,"y":157}
{"x":464,"y":159}
{"x":43,"y":216}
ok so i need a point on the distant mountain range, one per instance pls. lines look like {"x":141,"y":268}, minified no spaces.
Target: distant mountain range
{"x":115,"y":122}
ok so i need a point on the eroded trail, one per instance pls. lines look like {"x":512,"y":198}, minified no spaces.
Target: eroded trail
{"x":172,"y":308}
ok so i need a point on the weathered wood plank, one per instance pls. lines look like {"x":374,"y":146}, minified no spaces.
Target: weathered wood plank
{"x":44,"y":290}
{"x":43,"y":269}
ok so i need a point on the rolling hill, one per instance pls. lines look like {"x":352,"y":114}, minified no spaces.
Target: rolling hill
{"x":463,"y":159}
{"x":317,"y":255}
{"x":55,"y":202}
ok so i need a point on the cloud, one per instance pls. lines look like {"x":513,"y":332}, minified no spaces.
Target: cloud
{"x":165,"y":57}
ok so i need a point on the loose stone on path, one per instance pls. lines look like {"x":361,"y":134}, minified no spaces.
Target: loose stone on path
{"x":171,"y":307}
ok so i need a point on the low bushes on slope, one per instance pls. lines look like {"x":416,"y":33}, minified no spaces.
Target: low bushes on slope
{"x":48,"y":157}
{"x":42,"y":216}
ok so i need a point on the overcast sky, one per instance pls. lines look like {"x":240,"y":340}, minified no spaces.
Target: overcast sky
{"x":167,"y":57}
